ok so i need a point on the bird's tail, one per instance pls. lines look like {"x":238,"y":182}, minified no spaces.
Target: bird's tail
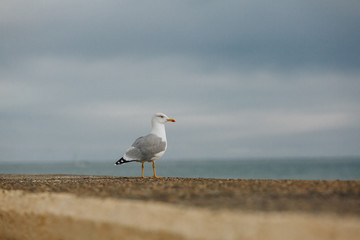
{"x":121,"y":161}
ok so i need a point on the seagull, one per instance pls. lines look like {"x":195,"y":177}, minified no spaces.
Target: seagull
{"x":150,"y":147}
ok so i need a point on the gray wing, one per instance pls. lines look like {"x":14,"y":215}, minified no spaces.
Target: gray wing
{"x":145,"y":148}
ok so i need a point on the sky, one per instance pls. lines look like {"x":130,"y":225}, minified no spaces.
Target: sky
{"x":80,"y":80}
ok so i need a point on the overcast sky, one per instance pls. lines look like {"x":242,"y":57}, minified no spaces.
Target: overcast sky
{"x":80,"y":80}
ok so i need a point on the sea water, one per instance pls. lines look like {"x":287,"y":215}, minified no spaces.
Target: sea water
{"x":285,"y":168}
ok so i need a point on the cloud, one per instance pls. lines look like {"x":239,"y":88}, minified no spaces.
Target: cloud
{"x":281,"y":34}
{"x":241,"y":78}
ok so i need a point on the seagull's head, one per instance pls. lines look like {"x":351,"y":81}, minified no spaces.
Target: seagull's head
{"x":162,"y":118}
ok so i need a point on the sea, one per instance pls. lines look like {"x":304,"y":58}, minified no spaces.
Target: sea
{"x":346,"y":168}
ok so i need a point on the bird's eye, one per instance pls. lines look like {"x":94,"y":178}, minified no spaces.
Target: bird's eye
{"x":162,"y":116}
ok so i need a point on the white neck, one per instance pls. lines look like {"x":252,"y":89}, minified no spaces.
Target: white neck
{"x":159,"y":130}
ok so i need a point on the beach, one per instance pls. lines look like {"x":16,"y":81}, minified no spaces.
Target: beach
{"x":106,"y":207}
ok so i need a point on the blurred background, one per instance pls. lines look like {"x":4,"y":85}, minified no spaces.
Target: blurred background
{"x":80,"y":80}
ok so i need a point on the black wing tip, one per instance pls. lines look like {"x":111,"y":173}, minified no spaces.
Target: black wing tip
{"x":121,"y":161}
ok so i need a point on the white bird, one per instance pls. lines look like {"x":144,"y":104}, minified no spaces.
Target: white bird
{"x":150,"y":147}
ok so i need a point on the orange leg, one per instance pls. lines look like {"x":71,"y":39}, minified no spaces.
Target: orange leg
{"x":154,"y":170}
{"x":142,"y":170}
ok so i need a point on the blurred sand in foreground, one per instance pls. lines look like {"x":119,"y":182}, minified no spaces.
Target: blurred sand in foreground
{"x":59,"y":212}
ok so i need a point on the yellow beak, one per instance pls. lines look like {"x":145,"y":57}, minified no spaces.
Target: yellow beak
{"x":171,"y":120}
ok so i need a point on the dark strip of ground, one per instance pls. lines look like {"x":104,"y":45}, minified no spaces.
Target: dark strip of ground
{"x":338,"y":197}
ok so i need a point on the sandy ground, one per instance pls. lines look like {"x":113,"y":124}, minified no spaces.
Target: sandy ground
{"x":96,"y":207}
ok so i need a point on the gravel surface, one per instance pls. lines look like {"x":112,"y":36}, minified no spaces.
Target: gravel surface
{"x":338,"y":197}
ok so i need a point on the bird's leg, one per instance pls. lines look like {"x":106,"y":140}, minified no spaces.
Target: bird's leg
{"x":154,"y":170}
{"x":142,"y":170}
